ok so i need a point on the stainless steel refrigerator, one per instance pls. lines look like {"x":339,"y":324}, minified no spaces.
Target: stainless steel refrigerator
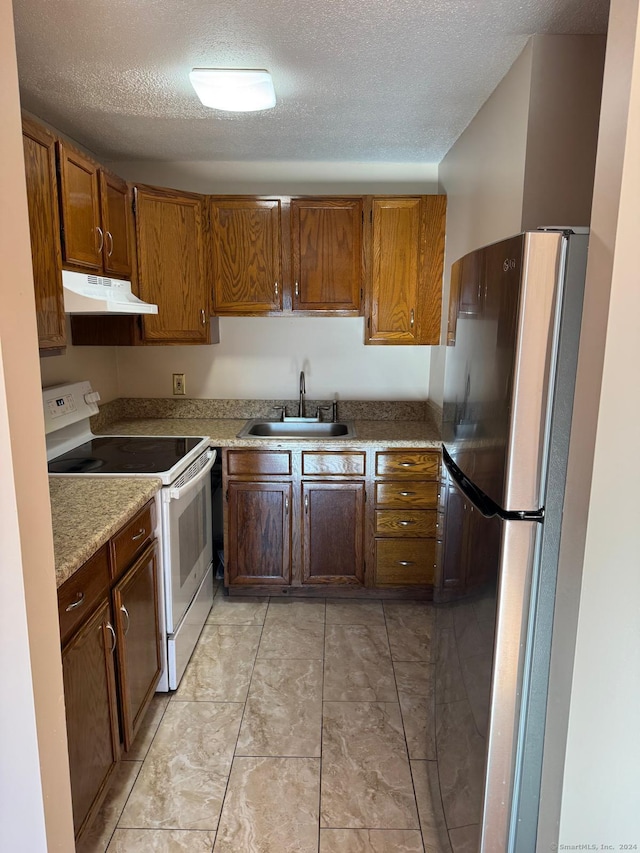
{"x":514,"y":328}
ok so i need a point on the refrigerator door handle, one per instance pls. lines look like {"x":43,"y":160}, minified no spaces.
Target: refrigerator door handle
{"x":482,"y":502}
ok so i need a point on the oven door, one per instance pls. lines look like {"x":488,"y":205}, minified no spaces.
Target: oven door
{"x":187,"y":536}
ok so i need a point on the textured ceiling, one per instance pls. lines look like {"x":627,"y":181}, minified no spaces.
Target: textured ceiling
{"x":356,"y":80}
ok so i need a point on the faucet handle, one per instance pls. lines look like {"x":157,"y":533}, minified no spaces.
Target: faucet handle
{"x":281,"y":409}
{"x":322,"y":409}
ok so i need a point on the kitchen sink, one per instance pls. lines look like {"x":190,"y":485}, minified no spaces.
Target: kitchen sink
{"x":263,"y":428}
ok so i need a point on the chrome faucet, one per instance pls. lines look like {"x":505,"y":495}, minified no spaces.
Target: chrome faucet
{"x":302,"y":391}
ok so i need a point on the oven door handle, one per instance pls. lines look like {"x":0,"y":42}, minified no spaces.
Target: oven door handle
{"x":176,"y":494}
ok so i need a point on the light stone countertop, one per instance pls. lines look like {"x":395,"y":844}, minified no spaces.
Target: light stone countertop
{"x":223,"y":432}
{"x":88,"y":511}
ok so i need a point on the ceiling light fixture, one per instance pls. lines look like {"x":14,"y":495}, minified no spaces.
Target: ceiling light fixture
{"x":238,"y":90}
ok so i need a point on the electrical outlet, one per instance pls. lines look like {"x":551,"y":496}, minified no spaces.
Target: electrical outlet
{"x":178,"y":383}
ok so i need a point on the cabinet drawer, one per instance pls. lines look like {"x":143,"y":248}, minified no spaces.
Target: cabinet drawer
{"x":130,"y":541}
{"x":404,"y":562}
{"x":259,"y":462}
{"x":410,"y":495}
{"x":410,"y":462}
{"x":391,"y":522}
{"x":317,"y":462}
{"x":78,"y":595}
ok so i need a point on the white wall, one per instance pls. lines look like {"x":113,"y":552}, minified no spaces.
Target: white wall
{"x":261,"y":358}
{"x":600,"y":792}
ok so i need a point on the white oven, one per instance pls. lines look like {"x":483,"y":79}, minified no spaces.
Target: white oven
{"x":183,"y":464}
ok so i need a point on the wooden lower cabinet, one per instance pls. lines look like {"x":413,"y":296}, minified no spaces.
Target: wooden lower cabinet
{"x":333,"y":532}
{"x":135,"y":605}
{"x":92,"y":713}
{"x":259,"y":540}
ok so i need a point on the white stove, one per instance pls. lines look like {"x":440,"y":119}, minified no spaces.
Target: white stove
{"x":183,"y":464}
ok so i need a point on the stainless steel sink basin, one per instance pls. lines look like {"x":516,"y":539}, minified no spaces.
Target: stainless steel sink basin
{"x":264,"y":428}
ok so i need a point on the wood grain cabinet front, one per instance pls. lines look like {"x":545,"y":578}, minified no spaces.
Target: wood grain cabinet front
{"x":44,"y":227}
{"x":333,"y":532}
{"x":406,"y":257}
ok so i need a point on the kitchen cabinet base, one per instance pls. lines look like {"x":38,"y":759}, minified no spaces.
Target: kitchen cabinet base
{"x":416,"y":593}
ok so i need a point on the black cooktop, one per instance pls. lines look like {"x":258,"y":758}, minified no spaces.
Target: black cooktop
{"x":113,"y":454}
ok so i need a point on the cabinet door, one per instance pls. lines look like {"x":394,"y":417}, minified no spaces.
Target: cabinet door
{"x":407,"y":256}
{"x":116,"y":212}
{"x":259,"y":543}
{"x":170,"y":266}
{"x":454,"y":561}
{"x":245,"y":255}
{"x":135,"y":604}
{"x":44,"y":227}
{"x":91,"y":711}
{"x":326,"y":239}
{"x":333,"y":532}
{"x":83,"y":237}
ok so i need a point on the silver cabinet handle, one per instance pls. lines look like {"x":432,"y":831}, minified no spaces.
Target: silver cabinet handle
{"x":407,"y":494}
{"x":297,"y":289}
{"x":408,"y":464}
{"x":100,"y":232}
{"x":412,"y":318}
{"x":286,"y":506}
{"x":406,"y":523}
{"x":110,"y":251}
{"x":124,"y":610}
{"x":142,"y":532}
{"x":406,"y":563}
{"x":79,"y":600}
{"x":203,"y":317}
{"x":306,"y":503}
{"x":113,"y":636}
{"x":276,"y":288}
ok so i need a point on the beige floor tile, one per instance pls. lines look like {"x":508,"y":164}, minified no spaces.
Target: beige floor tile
{"x":147,"y":730}
{"x":465,"y":839}
{"x":341,"y":612}
{"x":232,"y":610}
{"x":299,"y":611}
{"x":461,"y":754}
{"x":416,"y":691}
{"x":161,"y":841}
{"x":410,"y":625}
{"x":370,"y":841}
{"x":271,"y":806}
{"x":366,"y":781}
{"x":221,"y":666}
{"x":184,"y":777}
{"x":283,"y":640}
{"x":432,"y":821}
{"x":97,"y":837}
{"x":358,"y":665}
{"x":283,"y":714}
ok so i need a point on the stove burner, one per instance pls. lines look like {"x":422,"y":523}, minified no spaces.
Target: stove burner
{"x":75,"y":465}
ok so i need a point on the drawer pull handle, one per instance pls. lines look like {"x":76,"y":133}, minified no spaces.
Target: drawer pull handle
{"x":286,"y":506}
{"x":407,"y":494}
{"x":142,"y":532}
{"x":306,"y":504}
{"x":113,"y":636}
{"x":79,"y":600}
{"x":406,"y":563}
{"x":406,"y":523}
{"x":408,"y":464}
{"x":124,"y":610}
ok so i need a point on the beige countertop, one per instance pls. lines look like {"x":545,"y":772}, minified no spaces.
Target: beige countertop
{"x":223,"y":432}
{"x":88,"y":511}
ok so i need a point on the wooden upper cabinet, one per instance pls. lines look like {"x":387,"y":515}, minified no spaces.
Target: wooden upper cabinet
{"x":326,"y":250}
{"x":95,"y":215}
{"x":404,"y":298}
{"x":171,"y":265}
{"x":83,"y":236}
{"x":116,"y":224}
{"x":44,"y":227}
{"x":245,"y":255}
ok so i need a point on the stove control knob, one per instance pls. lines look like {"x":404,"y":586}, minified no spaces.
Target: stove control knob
{"x":93,"y":397}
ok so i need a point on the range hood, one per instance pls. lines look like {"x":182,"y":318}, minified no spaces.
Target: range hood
{"x":95,"y":294}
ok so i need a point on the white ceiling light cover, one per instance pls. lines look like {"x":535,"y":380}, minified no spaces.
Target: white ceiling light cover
{"x":239,"y":90}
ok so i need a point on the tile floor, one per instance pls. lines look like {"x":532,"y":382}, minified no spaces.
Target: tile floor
{"x":300,"y":726}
